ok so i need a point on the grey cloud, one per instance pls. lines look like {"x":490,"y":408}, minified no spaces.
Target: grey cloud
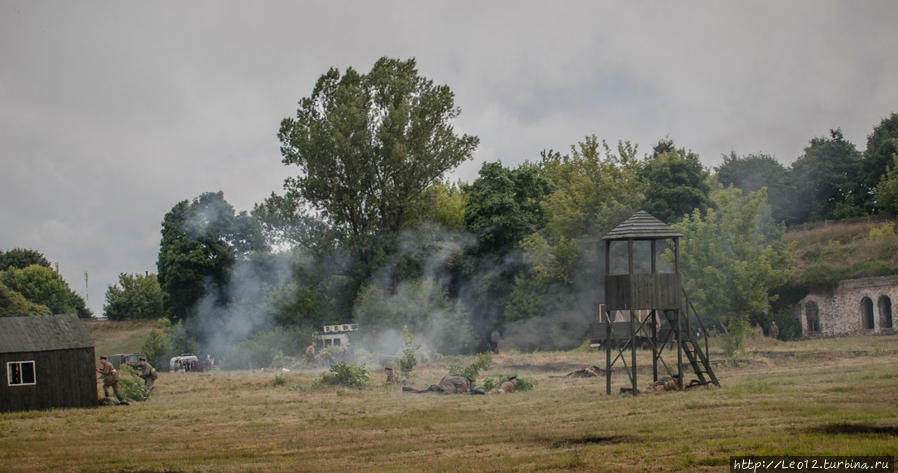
{"x":110,"y":113}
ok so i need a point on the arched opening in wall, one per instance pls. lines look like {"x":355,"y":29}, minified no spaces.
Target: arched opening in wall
{"x":867,"y":314}
{"x":812,"y":314}
{"x":885,"y":312}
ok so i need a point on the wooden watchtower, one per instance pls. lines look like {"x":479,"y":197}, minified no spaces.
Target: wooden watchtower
{"x":655,"y":300}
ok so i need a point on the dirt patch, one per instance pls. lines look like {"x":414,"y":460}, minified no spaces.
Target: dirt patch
{"x":855,"y":429}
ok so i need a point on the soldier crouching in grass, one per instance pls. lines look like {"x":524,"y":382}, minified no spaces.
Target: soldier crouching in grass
{"x":110,"y":378}
{"x":148,"y":374}
{"x":506,"y":387}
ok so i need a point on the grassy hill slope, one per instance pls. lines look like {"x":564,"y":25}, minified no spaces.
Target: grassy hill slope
{"x":119,"y":337}
{"x":827,"y":252}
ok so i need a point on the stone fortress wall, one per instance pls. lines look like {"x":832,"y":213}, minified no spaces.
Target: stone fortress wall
{"x":857,"y":306}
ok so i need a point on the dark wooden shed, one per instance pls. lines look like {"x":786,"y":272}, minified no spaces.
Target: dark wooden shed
{"x":48,"y":361}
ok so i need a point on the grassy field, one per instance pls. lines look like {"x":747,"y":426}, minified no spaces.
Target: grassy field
{"x":119,"y":337}
{"x":830,"y":396}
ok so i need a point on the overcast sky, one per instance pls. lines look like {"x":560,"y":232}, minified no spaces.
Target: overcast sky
{"x":112,"y":112}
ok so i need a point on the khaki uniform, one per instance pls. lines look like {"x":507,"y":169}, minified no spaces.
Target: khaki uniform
{"x":110,"y":378}
{"x":455,"y":385}
{"x":666,"y":383}
{"x":310,"y":353}
{"x":506,"y":387}
{"x":591,"y":372}
{"x":774,"y":330}
{"x":149,"y":376}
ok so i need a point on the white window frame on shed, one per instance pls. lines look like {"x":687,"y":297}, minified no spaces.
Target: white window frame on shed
{"x":9,"y":366}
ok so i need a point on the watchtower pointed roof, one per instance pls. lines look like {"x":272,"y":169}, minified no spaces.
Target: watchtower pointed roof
{"x":642,"y":226}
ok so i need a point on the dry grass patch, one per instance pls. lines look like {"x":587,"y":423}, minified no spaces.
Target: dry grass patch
{"x":237,"y":421}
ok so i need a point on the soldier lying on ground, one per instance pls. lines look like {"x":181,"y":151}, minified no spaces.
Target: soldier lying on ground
{"x":111,"y":401}
{"x":666,"y":383}
{"x":448,"y":385}
{"x":590,"y":372}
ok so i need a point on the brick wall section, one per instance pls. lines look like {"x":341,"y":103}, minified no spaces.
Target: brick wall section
{"x":840,"y":313}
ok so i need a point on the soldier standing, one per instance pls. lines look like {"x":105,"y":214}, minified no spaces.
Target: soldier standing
{"x":774,"y":330}
{"x":148,"y":374}
{"x":110,"y":377}
{"x":310,"y":354}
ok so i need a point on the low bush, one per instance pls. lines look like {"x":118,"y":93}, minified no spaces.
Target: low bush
{"x":481,"y":362}
{"x":342,"y":374}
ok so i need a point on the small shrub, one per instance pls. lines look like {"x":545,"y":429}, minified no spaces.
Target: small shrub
{"x":350,"y":376}
{"x":130,"y":386}
{"x":494,"y":382}
{"x":883,"y":232}
{"x":482,"y":362}
{"x":408,"y":361}
{"x":279,"y":380}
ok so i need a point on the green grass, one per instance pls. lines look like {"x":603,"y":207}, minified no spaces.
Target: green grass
{"x":839,"y":398}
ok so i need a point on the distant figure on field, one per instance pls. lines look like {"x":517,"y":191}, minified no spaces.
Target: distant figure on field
{"x":391,"y":376}
{"x":667,"y":383}
{"x":448,"y":385}
{"x":310,"y":354}
{"x":506,"y":387}
{"x":111,"y":401}
{"x":148,"y":374}
{"x":110,"y":377}
{"x":590,"y":372}
{"x":774,"y":330}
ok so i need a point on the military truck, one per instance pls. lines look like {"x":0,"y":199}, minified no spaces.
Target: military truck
{"x":129,"y":359}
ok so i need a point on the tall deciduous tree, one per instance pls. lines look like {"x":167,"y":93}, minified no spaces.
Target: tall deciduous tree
{"x":369,"y":145}
{"x":13,"y":304}
{"x":730,"y":263}
{"x":675,"y":182}
{"x":21,"y":258}
{"x":200,"y":243}
{"x":882,"y":145}
{"x":41,"y":285}
{"x":752,"y":172}
{"x":136,"y":296}
{"x":826,"y":178}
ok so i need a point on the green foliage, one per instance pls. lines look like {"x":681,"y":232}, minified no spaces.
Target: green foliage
{"x":369,"y":145}
{"x":41,"y":285}
{"x":408,"y":361}
{"x":135,"y":297}
{"x":156,"y":347}
{"x":130,"y":386}
{"x":880,"y":155}
{"x":736,"y":329}
{"x":481,"y":362}
{"x":13,"y":304}
{"x":675,"y":183}
{"x":21,"y":258}
{"x":595,"y":188}
{"x":730,"y":262}
{"x":350,"y":376}
{"x":495,"y":381}
{"x":445,"y":204}
{"x":883,"y":232}
{"x":201,"y":240}
{"x":825,"y":177}
{"x":886,"y":194}
{"x":752,"y":172}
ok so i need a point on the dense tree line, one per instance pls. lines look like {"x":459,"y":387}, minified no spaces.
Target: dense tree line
{"x":369,"y":231}
{"x":28,"y":286}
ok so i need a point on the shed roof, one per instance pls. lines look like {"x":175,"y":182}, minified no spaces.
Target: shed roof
{"x":642,"y":225}
{"x":42,"y":333}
